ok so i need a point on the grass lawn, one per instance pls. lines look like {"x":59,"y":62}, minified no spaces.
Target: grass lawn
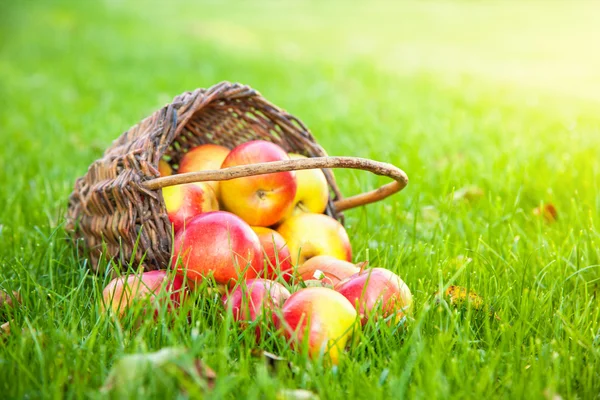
{"x":500,"y":96}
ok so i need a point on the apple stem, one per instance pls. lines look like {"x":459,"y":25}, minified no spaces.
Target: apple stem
{"x":300,"y":206}
{"x":362,"y":265}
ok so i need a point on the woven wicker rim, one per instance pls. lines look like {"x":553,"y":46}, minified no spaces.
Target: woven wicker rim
{"x":116,"y":210}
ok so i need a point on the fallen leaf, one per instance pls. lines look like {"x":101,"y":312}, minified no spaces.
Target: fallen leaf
{"x":430,"y":214}
{"x":426,"y":214}
{"x":273,"y":361}
{"x":5,"y":327}
{"x":547,"y":211}
{"x":9,"y":299}
{"x":468,"y":194}
{"x":457,"y":296}
{"x":296,"y":394}
{"x":172,"y":364}
{"x":550,"y":394}
{"x":206,"y":373}
{"x":426,"y":218}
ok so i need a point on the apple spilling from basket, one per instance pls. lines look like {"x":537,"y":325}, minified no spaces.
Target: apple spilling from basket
{"x":266,"y":241}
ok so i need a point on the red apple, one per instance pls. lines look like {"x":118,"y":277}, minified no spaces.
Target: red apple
{"x":277,"y":256}
{"x":217,"y":244}
{"x":308,"y":235}
{"x":204,"y":157}
{"x":260,"y":200}
{"x":319,"y":317}
{"x":333,"y":270}
{"x":377,"y":289}
{"x":184,"y":202}
{"x":255,"y":297}
{"x":125,"y":291}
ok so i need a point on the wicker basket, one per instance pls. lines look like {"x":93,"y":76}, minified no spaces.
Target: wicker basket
{"x":117,"y":212}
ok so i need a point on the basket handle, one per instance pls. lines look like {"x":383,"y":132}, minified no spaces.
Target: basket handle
{"x":240,"y":171}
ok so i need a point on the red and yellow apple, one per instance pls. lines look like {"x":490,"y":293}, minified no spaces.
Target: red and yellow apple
{"x":260,"y":200}
{"x":204,"y":157}
{"x":164,"y":169}
{"x":276,"y":254}
{"x":124,"y":292}
{"x":377,"y":290}
{"x":217,"y":244}
{"x":255,"y":298}
{"x":308,"y":235}
{"x":312,"y":193}
{"x":184,"y":202}
{"x":319,"y":318}
{"x":328,"y":269}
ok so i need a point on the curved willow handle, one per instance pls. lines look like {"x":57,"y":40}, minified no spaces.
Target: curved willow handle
{"x":240,"y":171}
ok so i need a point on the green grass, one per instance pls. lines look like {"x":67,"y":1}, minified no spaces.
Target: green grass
{"x":503,"y":96}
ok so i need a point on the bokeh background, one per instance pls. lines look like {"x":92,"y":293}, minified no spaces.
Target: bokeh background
{"x":435,"y":87}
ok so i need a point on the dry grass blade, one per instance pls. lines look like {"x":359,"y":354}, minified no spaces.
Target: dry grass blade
{"x":273,"y":361}
{"x":468,"y":194}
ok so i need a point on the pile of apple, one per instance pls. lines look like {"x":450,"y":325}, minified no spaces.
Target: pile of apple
{"x":261,"y":238}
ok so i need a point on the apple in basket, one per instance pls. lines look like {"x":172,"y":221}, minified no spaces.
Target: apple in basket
{"x":308,"y":235}
{"x":319,"y":318}
{"x":377,"y":290}
{"x":188,"y":200}
{"x":278,"y":260}
{"x":217,"y":244}
{"x":255,"y":299}
{"x":126,"y":291}
{"x":164,"y":169}
{"x":260,"y":200}
{"x":312,"y":193}
{"x":328,"y":269}
{"x":204,"y":157}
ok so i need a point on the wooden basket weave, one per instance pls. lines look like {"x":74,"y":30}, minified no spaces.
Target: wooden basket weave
{"x":116,"y":210}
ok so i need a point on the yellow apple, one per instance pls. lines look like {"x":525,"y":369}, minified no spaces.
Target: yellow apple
{"x":164,"y":169}
{"x":312,"y":193}
{"x":204,"y":157}
{"x":184,"y":202}
{"x":308,"y":235}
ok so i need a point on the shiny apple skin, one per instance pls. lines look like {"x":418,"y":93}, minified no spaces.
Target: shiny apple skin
{"x":377,"y":290}
{"x":217,"y":244}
